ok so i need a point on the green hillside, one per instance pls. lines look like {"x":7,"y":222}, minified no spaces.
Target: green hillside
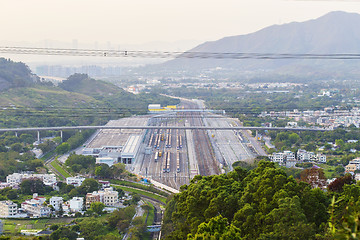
{"x":44,"y":105}
{"x":82,"y":83}
{"x":15,"y":74}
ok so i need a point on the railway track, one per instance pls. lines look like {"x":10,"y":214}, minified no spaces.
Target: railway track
{"x":204,"y":152}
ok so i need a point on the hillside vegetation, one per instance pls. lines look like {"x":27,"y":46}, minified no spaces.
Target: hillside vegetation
{"x":15,"y":74}
{"x":263,"y":203}
{"x":79,"y":100}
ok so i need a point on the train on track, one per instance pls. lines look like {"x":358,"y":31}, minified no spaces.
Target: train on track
{"x":166,"y":163}
{"x":178,"y":162}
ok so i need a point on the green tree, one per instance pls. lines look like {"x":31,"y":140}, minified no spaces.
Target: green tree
{"x":293,"y":138}
{"x":103,"y":171}
{"x":27,"y":138}
{"x":63,"y":148}
{"x":63,"y":233}
{"x":92,"y":228}
{"x":97,"y":207}
{"x":88,"y":185}
{"x":16,"y":147}
{"x":217,"y":228}
{"x":12,"y":194}
{"x":30,"y":186}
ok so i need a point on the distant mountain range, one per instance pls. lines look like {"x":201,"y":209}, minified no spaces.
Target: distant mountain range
{"x":335,"y":32}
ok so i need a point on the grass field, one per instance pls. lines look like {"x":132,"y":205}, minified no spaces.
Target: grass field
{"x":140,"y":186}
{"x":57,"y":166}
{"x":328,"y":170}
{"x":13,"y":226}
{"x":162,"y":199}
{"x":151,"y":216}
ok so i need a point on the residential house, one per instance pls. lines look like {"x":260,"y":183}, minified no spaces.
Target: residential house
{"x":16,"y":178}
{"x":350,"y":168}
{"x":75,"y":181}
{"x":8,"y":209}
{"x":56,"y":202}
{"x":108,"y":196}
{"x":35,"y":206}
{"x":76,"y":204}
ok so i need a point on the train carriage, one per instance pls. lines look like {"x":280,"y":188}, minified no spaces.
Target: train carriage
{"x":178,"y":161}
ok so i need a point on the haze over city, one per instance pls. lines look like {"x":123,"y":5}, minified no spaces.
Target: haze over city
{"x":122,"y":23}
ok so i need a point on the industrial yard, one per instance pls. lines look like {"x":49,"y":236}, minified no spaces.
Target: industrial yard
{"x":173,"y":156}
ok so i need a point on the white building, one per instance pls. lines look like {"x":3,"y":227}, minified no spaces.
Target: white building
{"x":290,"y":156}
{"x":321,"y":158}
{"x":282,"y":157}
{"x":109,"y":197}
{"x":56,"y":202}
{"x":35,"y":206}
{"x":303,"y":155}
{"x":130,"y":149}
{"x":104,"y":184}
{"x":76,"y":204}
{"x":75,"y":181}
{"x":277,"y":157}
{"x":4,"y":185}
{"x":16,"y":178}
{"x":8,"y":209}
{"x":106,"y":160}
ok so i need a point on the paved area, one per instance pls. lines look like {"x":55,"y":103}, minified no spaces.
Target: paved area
{"x":230,"y":143}
{"x":118,"y":137}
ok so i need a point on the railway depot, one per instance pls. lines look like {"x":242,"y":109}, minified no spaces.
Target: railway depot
{"x":111,"y":146}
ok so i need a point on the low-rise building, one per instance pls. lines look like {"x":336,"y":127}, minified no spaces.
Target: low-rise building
{"x":93,"y":197}
{"x":35,"y":206}
{"x":277,"y":157}
{"x":111,"y":198}
{"x":356,"y":161}
{"x":290,"y":156}
{"x":305,"y":156}
{"x":350,"y":168}
{"x":106,"y":160}
{"x":321,"y":158}
{"x":56,"y":202}
{"x":282,"y":157}
{"x":4,"y":185}
{"x":8,"y":209}
{"x":16,"y":178}
{"x":108,"y":196}
{"x":104,"y":184}
{"x":76,"y":204}
{"x":75,"y":181}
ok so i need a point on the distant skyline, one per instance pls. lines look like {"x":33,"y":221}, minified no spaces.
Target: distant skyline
{"x":116,"y":22}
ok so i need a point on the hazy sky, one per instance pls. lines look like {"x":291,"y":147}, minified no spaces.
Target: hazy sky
{"x":141,"y":21}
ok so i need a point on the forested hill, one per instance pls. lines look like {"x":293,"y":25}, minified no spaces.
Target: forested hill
{"x":82,"y":83}
{"x":15,"y":74}
{"x":84,"y":102}
{"x":263,"y":203}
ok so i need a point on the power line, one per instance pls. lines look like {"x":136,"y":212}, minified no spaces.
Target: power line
{"x":170,"y":54}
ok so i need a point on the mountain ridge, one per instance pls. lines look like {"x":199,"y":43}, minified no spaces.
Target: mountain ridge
{"x":332,"y":33}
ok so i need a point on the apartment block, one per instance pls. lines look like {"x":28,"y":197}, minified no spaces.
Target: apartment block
{"x":8,"y":209}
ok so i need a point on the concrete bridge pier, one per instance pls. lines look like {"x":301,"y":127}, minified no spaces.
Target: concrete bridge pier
{"x":16,"y":134}
{"x":61,"y":135}
{"x":38,"y":136}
